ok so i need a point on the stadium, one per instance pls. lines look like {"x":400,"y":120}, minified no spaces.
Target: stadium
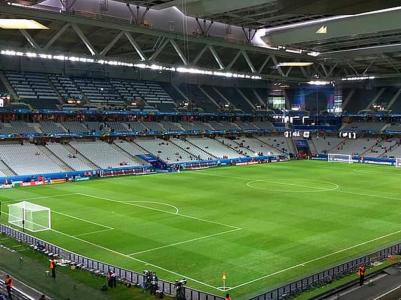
{"x":200,"y":150}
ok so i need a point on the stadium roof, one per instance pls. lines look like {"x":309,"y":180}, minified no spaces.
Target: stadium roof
{"x":342,"y":38}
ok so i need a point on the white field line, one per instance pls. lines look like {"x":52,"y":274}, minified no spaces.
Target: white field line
{"x":154,"y":202}
{"x":93,"y":232}
{"x":388,"y":292}
{"x":185,"y":242}
{"x":316,"y":259}
{"x":250,"y":181}
{"x":37,"y":198}
{"x":159,"y":210}
{"x":82,"y":220}
{"x":249,"y":184}
{"x":135,"y":259}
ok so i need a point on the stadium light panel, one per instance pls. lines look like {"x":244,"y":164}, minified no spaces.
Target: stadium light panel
{"x":319,"y":82}
{"x":358,"y":78}
{"x":21,"y":24}
{"x":154,"y":67}
{"x":295,"y":64}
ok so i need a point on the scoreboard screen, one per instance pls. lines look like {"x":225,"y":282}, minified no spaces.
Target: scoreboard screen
{"x":347,"y":135}
{"x":290,"y":134}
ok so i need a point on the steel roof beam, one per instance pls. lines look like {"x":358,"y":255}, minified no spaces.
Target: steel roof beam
{"x":135,"y":45}
{"x":29,"y":39}
{"x":179,"y":52}
{"x":84,"y":39}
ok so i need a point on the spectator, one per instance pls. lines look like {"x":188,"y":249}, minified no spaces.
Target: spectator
{"x":227,"y":297}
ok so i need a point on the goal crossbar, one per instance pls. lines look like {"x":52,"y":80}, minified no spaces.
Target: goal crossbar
{"x":336,"y":157}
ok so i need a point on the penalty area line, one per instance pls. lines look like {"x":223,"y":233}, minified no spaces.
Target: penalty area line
{"x":185,"y":242}
{"x":159,"y":210}
{"x":93,"y":232}
{"x":315,"y":259}
{"x":135,"y":259}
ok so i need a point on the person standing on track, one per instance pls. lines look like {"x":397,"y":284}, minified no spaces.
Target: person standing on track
{"x":53,"y":268}
{"x":361,"y":273}
{"x":9,"y":285}
{"x":227,"y":297}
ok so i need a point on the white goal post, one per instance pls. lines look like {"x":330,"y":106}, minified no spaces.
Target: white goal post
{"x":335,"y":157}
{"x":29,"y":216}
{"x":398,"y":162}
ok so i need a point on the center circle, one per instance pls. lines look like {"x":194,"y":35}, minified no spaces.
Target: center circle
{"x":292,"y":186}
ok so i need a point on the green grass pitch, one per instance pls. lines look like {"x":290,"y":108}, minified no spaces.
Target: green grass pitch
{"x":263,"y":225}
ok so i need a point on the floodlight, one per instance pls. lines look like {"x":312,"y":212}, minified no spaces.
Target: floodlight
{"x":21,"y":24}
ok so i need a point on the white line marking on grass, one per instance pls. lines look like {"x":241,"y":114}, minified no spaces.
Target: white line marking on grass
{"x":249,"y":183}
{"x":37,"y":198}
{"x":135,"y":259}
{"x":370,"y":195}
{"x":316,"y":259}
{"x":388,"y":292}
{"x":159,"y":210}
{"x":93,"y":232}
{"x":315,"y":189}
{"x":154,"y":202}
{"x":184,"y":242}
{"x":82,"y":220}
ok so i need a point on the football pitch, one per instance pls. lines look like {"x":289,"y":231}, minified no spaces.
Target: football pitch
{"x":262,"y":225}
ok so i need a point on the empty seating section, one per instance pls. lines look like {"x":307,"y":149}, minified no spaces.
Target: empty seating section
{"x":104,"y":155}
{"x":235,"y":98}
{"x":197,"y":97}
{"x":154,"y":95}
{"x":18,"y":127}
{"x":70,"y":159}
{"x":34,"y":89}
{"x":165,"y":150}
{"x":372,"y":127}
{"x":66,"y":87}
{"x":98,"y":91}
{"x":131,"y":148}
{"x":210,"y":90}
{"x":214,"y":148}
{"x":246,"y":125}
{"x":324,"y":145}
{"x":171,"y":126}
{"x":42,"y":90}
{"x":27,"y":159}
{"x":355,"y":147}
{"x":383,"y":148}
{"x":197,"y":153}
{"x":137,"y":127}
{"x":233,"y":145}
{"x":250,"y":94}
{"x":154,"y":126}
{"x":280,"y":143}
{"x":393,"y":128}
{"x":75,"y":127}
{"x":255,"y":146}
{"x":51,"y":128}
{"x":117,"y":127}
{"x":265,"y":125}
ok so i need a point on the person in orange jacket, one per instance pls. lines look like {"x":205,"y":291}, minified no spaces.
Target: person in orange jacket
{"x":227,"y":297}
{"x":53,"y":268}
{"x":361,"y":273}
{"x":9,"y":285}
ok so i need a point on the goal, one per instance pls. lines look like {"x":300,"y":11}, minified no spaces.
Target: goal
{"x":398,"y":162}
{"x":339,"y":158}
{"x":29,"y":216}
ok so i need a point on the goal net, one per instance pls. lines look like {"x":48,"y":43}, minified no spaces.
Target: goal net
{"x":29,"y":216}
{"x":339,"y":158}
{"x":398,"y":162}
